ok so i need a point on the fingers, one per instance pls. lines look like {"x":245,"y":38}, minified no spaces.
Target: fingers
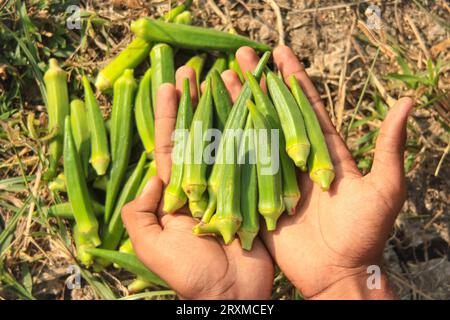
{"x":388,"y":169}
{"x":165,"y":119}
{"x":139,"y":216}
{"x":288,"y":64}
{"x":232,"y":83}
{"x":183,"y":73}
{"x":248,"y":60}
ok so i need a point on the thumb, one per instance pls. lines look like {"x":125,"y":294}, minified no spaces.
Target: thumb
{"x":139,"y":216}
{"x":388,"y":168}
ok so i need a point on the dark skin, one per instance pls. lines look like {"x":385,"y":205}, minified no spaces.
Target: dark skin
{"x":324,"y":249}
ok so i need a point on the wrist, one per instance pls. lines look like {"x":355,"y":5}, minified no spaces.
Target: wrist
{"x":369,"y":284}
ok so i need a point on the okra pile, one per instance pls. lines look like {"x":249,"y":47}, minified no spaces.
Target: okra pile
{"x":249,"y":171}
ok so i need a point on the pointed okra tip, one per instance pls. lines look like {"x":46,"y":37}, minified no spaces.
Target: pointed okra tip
{"x":323,"y":177}
{"x":246,"y":238}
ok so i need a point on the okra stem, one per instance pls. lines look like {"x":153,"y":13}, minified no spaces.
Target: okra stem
{"x":270,"y":202}
{"x":194,"y":175}
{"x":174,"y":196}
{"x":57,"y":108}
{"x":64,"y":210}
{"x":321,"y":169}
{"x":292,"y":122}
{"x":100,"y":157}
{"x":143,"y":113}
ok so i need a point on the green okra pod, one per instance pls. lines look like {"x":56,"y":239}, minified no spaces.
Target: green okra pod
{"x":55,"y":80}
{"x":233,"y":64}
{"x":194,"y":175}
{"x":197,"y":63}
{"x":100,"y":157}
{"x":249,"y":188}
{"x":222,"y":100}
{"x":221,"y":64}
{"x":134,"y":53}
{"x":235,"y":121}
{"x":163,"y":70}
{"x":128,"y":262}
{"x":143,"y":113}
{"x":80,"y":131}
{"x":114,"y":230}
{"x":64,"y":210}
{"x":121,"y":135}
{"x":174,"y":196}
{"x":151,"y":172}
{"x":291,"y":191}
{"x":228,"y":217}
{"x":321,"y":169}
{"x":190,"y":37}
{"x":292,"y":122}
{"x":77,"y":191}
{"x":184,"y":18}
{"x":270,"y":202}
{"x":198,"y":207}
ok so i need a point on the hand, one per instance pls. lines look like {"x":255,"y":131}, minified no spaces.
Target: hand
{"x":326,"y":247}
{"x":195,"y":267}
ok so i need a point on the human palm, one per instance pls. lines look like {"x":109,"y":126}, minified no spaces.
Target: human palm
{"x":195,"y":267}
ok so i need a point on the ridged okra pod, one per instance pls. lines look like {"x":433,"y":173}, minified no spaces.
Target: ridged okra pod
{"x":128,"y":262}
{"x":64,"y":210}
{"x":195,"y":166}
{"x":235,"y":121}
{"x":249,"y":188}
{"x":163,"y":70}
{"x":233,"y":64}
{"x":221,"y":64}
{"x":292,"y":122}
{"x":321,"y":169}
{"x":77,"y":191}
{"x":151,"y":172}
{"x":197,"y":63}
{"x":113,"y":231}
{"x":55,"y":80}
{"x":80,"y":131}
{"x":100,"y":157}
{"x":228,"y":217}
{"x":291,"y":191}
{"x":270,"y":202}
{"x":143,"y":113}
{"x":222,"y":100}
{"x":198,"y":207}
{"x":121,"y":135}
{"x":174,"y":196}
{"x":191,"y":37}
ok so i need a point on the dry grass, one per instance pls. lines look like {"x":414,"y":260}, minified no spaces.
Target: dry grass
{"x":338,"y":52}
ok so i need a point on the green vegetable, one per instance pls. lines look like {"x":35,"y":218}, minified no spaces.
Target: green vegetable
{"x":190,"y":37}
{"x":100,"y":157}
{"x":58,"y":184}
{"x":143,"y":113}
{"x":163,"y":70}
{"x":121,"y":135}
{"x":197,"y":62}
{"x":220,"y":64}
{"x":64,"y":210}
{"x":194,"y":175}
{"x":292,"y":123}
{"x":270,"y":202}
{"x":236,"y":120}
{"x":129,"y":262}
{"x":57,"y":108}
{"x":249,"y":189}
{"x":184,"y":18}
{"x":321,"y":168}
{"x":113,"y":231}
{"x":77,"y":191}
{"x":233,"y":64}
{"x":174,"y":196}
{"x":151,"y":172}
{"x":222,"y":100}
{"x":80,"y":131}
